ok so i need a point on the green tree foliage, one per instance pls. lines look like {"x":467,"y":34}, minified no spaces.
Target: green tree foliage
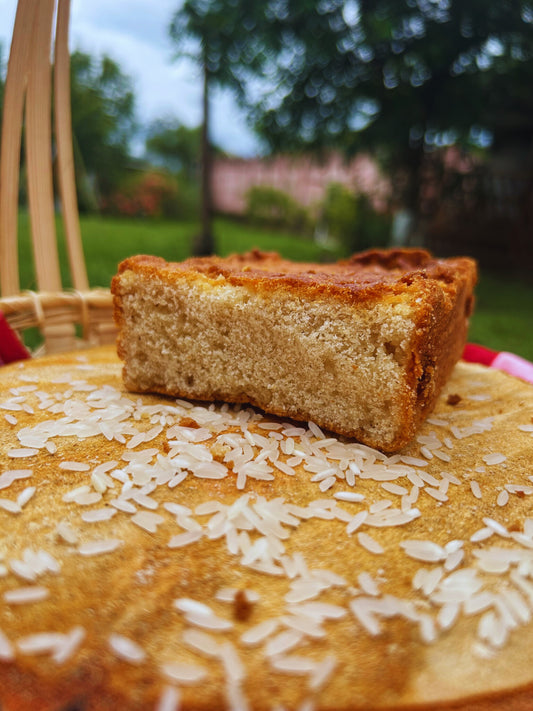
{"x":399,"y":77}
{"x":175,"y":146}
{"x":232,"y":39}
{"x":102,"y":121}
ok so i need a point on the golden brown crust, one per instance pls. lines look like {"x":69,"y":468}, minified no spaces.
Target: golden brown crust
{"x":371,"y":275}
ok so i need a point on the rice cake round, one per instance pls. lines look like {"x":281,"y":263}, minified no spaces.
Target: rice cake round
{"x":158,"y":553}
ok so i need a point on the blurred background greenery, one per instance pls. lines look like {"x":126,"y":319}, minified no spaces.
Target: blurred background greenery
{"x":435,"y":94}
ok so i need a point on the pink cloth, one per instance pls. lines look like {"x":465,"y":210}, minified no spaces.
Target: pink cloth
{"x":508,"y":362}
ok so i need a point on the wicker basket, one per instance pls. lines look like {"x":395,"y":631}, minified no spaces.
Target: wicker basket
{"x":66,"y":319}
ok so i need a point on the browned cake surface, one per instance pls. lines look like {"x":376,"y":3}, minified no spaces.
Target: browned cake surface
{"x":370,"y":275}
{"x":362,"y":347}
{"x":380,"y":582}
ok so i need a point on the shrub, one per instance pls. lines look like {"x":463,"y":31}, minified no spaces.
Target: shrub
{"x":148,"y":194}
{"x":340,"y":212}
{"x":374,"y":227}
{"x":268,"y":206}
{"x":351,"y":221}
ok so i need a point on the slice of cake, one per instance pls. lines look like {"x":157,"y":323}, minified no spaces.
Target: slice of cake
{"x":361,"y":347}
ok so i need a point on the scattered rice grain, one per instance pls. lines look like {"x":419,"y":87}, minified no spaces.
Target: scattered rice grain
{"x":127,"y":649}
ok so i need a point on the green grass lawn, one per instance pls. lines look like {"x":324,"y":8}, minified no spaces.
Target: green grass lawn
{"x":107,"y":241}
{"x":502,"y":320}
{"x":503,"y":314}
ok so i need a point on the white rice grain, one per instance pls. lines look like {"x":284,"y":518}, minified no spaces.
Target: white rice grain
{"x":7,"y":653}
{"x":454,"y":559}
{"x":495,"y":458}
{"x":235,"y":671}
{"x":147,"y":520}
{"x":256,"y":635}
{"x":25,"y":495}
{"x":293,"y":664}
{"x":22,"y":452}
{"x":283,"y":642}
{"x":492,"y":630}
{"x":123,"y":505}
{"x":319,"y":611}
{"x":65,"y":531}
{"x":503,"y":498}
{"x":71,"y":642}
{"x":11,"y":475}
{"x":396,"y":489}
{"x":496,"y":526}
{"x":443,"y":456}
{"x":99,"y":547}
{"x":40,"y":643}
{"x":428,"y":631}
{"x":370,"y":543}
{"x":169,"y":700}
{"x":356,"y":522}
{"x":201,"y":642}
{"x":327,"y":483}
{"x":188,"y":605}
{"x":448,"y":614}
{"x":25,"y":595}
{"x":98,"y":515}
{"x":285,"y":468}
{"x":10,"y":506}
{"x":414,"y":461}
{"x":365,"y":616}
{"x":475,"y":489}
{"x":185,"y":539}
{"x":322,"y":673}
{"x":183,"y":673}
{"x":481,"y":534}
{"x":368,"y":584}
{"x":126,"y":649}
{"x":427,"y":551}
{"x":349,"y":496}
{"x":74,"y":466}
{"x":436,"y":494}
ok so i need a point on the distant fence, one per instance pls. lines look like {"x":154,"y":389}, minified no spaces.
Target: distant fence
{"x":488,"y":214}
{"x":302,"y":177}
{"x":467,"y":207}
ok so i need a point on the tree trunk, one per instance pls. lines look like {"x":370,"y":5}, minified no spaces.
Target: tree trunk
{"x":203,"y":244}
{"x":408,"y":196}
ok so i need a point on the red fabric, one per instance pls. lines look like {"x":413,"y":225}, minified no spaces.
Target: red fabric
{"x":11,"y":348}
{"x":473,"y":353}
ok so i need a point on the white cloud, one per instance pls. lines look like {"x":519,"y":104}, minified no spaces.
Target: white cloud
{"x":135,"y":34}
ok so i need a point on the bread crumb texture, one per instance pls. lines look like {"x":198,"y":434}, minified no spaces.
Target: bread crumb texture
{"x":361,"y":347}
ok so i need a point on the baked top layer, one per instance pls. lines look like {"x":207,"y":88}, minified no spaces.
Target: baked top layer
{"x":375,"y":274}
{"x":380,"y":582}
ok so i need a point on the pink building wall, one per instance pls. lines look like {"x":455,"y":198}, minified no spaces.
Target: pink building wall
{"x":303,"y":177}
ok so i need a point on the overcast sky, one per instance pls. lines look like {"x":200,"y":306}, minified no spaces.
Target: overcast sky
{"x":135,"y":34}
